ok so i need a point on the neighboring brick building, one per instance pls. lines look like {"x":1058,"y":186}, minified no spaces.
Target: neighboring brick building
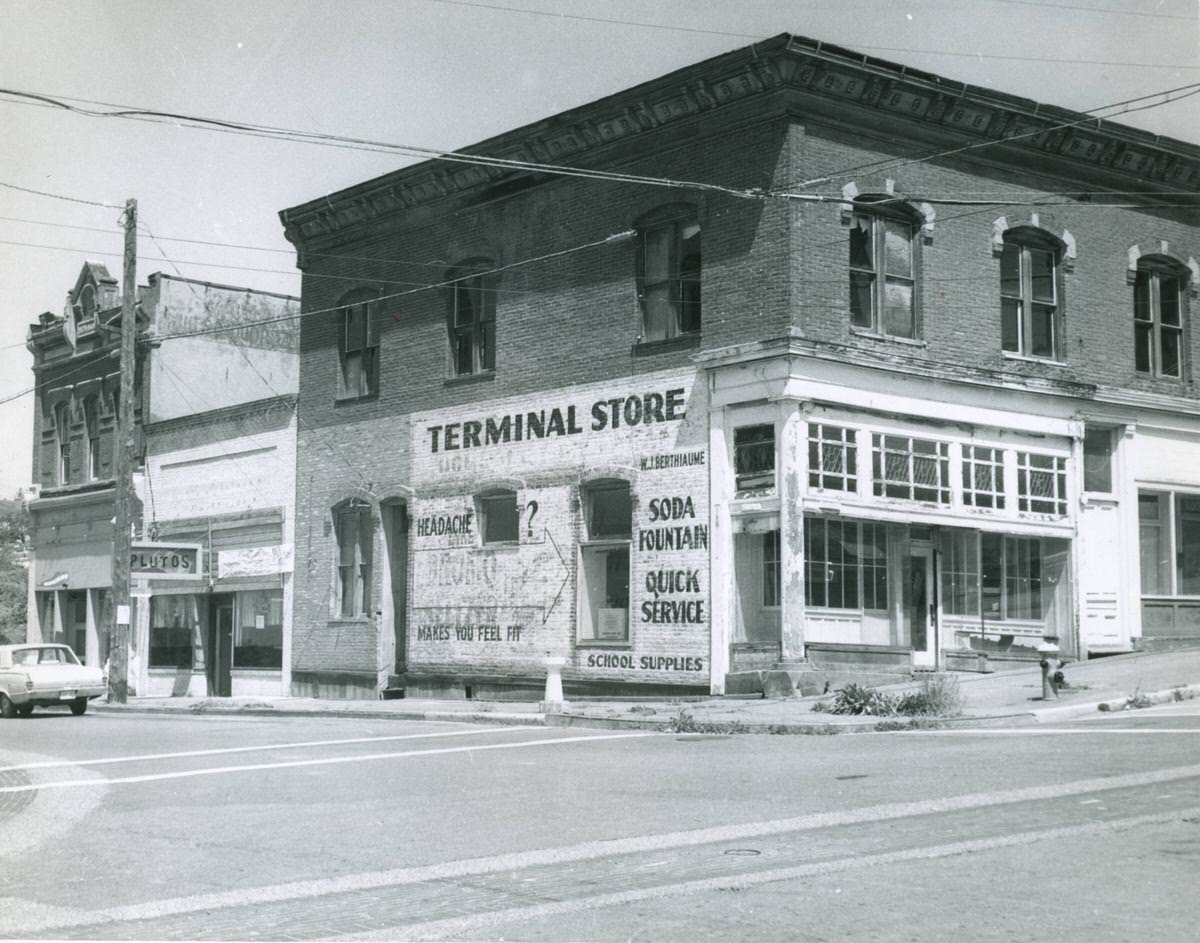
{"x":215,"y":433}
{"x":804,"y":398}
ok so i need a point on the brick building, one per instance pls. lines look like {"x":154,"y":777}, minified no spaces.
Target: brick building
{"x":215,"y":440}
{"x":813,"y":360}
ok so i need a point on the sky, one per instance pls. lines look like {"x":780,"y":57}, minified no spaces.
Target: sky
{"x":433,"y":73}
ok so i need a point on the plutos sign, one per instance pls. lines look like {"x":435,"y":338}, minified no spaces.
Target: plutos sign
{"x":165,"y":561}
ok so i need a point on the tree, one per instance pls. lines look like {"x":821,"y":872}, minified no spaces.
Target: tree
{"x":14,"y":573}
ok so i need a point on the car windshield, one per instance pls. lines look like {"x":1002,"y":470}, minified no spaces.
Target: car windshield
{"x":44,"y":655}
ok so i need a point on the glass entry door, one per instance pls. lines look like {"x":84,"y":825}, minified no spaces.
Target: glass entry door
{"x":220,"y":648}
{"x":922,"y":615}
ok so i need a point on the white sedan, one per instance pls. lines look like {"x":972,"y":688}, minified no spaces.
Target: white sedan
{"x":41,"y":675}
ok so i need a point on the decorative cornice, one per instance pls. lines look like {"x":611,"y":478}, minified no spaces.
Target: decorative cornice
{"x":819,"y":79}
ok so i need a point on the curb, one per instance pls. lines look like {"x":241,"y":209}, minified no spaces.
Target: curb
{"x":479,"y":717}
{"x":1182,"y":692}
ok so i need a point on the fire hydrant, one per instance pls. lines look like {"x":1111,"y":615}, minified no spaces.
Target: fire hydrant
{"x":1052,"y":675}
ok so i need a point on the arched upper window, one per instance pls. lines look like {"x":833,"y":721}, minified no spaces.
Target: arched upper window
{"x":668,"y":273}
{"x":1030,"y":304}
{"x":1158,"y":316}
{"x":62,"y":439}
{"x":472,"y":318}
{"x":91,"y":425}
{"x":883,"y":267}
{"x":358,"y":345}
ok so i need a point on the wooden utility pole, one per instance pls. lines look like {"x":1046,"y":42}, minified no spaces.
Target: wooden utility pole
{"x":118,"y":669}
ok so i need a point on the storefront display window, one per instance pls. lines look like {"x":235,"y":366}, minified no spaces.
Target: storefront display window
{"x":258,"y":640}
{"x":174,"y":625}
{"x":1169,"y":530}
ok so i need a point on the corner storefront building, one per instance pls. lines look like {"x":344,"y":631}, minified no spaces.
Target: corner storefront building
{"x":677,"y":435}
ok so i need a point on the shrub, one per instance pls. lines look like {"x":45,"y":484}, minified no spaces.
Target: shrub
{"x":859,"y":699}
{"x":938,"y":696}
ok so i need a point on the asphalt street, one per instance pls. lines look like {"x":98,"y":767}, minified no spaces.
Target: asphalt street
{"x":224,"y":827}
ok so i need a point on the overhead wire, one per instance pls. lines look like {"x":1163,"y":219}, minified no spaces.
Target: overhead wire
{"x":477,"y":4}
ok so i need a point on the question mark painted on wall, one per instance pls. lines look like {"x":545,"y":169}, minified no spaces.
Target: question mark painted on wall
{"x":532,"y":508}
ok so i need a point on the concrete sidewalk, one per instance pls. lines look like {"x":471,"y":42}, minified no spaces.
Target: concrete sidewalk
{"x":1002,"y":698}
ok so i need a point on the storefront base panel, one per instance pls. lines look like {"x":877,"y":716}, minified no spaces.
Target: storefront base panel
{"x":468,"y":686}
{"x":875,"y":658}
{"x":182,"y":682}
{"x":335,"y":686}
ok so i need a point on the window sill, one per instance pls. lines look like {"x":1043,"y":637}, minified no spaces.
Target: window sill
{"x":348,"y":399}
{"x":622,"y":643}
{"x":887,"y":338}
{"x":466,"y":379}
{"x":643,"y":348}
{"x":1025,"y":358}
{"x":498,"y":545}
{"x":1159,"y":377}
{"x":348,"y":620}
{"x":1099,"y":498}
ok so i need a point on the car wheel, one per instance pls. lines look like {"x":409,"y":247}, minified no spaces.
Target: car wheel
{"x":78,"y":706}
{"x":25,"y":710}
{"x":7,"y":708}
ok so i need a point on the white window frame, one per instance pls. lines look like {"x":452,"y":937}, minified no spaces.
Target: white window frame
{"x":878,"y":223}
{"x":1151,"y":325}
{"x":1056,"y":475}
{"x":830,"y":441}
{"x":1023,"y":246}
{"x":884,"y":444}
{"x":987,"y":463}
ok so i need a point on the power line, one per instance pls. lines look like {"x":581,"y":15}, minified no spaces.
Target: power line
{"x":91,"y":360}
{"x":59,"y":196}
{"x":1102,"y":10}
{"x":759,"y":38}
{"x":500,"y":163}
{"x":890,"y":164}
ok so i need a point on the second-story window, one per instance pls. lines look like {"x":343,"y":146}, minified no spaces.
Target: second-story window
{"x":882,"y":283}
{"x":1158,"y":320}
{"x":91,"y":425}
{"x":1029,"y":303}
{"x":358,"y":347}
{"x":62,"y":441}
{"x":473,"y":321}
{"x":668,"y":275}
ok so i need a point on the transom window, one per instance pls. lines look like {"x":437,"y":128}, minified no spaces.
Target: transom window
{"x":1041,"y":483}
{"x":916,"y":469}
{"x":1157,"y":320}
{"x":882,"y":285}
{"x":1029,"y":309}
{"x":358,"y":347}
{"x":983,"y":476}
{"x":473,"y":321}
{"x":352,"y":524}
{"x":845,"y":564}
{"x":668,"y":276}
{"x":832,"y":458}
{"x":754,"y":457}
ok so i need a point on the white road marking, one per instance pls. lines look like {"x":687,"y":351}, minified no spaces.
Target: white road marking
{"x":1037,"y":731}
{"x":324,"y":761}
{"x":605,"y":848}
{"x":140,"y":757}
{"x":459,"y":927}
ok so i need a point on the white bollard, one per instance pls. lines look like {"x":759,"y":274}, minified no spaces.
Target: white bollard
{"x":553,"y":701}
